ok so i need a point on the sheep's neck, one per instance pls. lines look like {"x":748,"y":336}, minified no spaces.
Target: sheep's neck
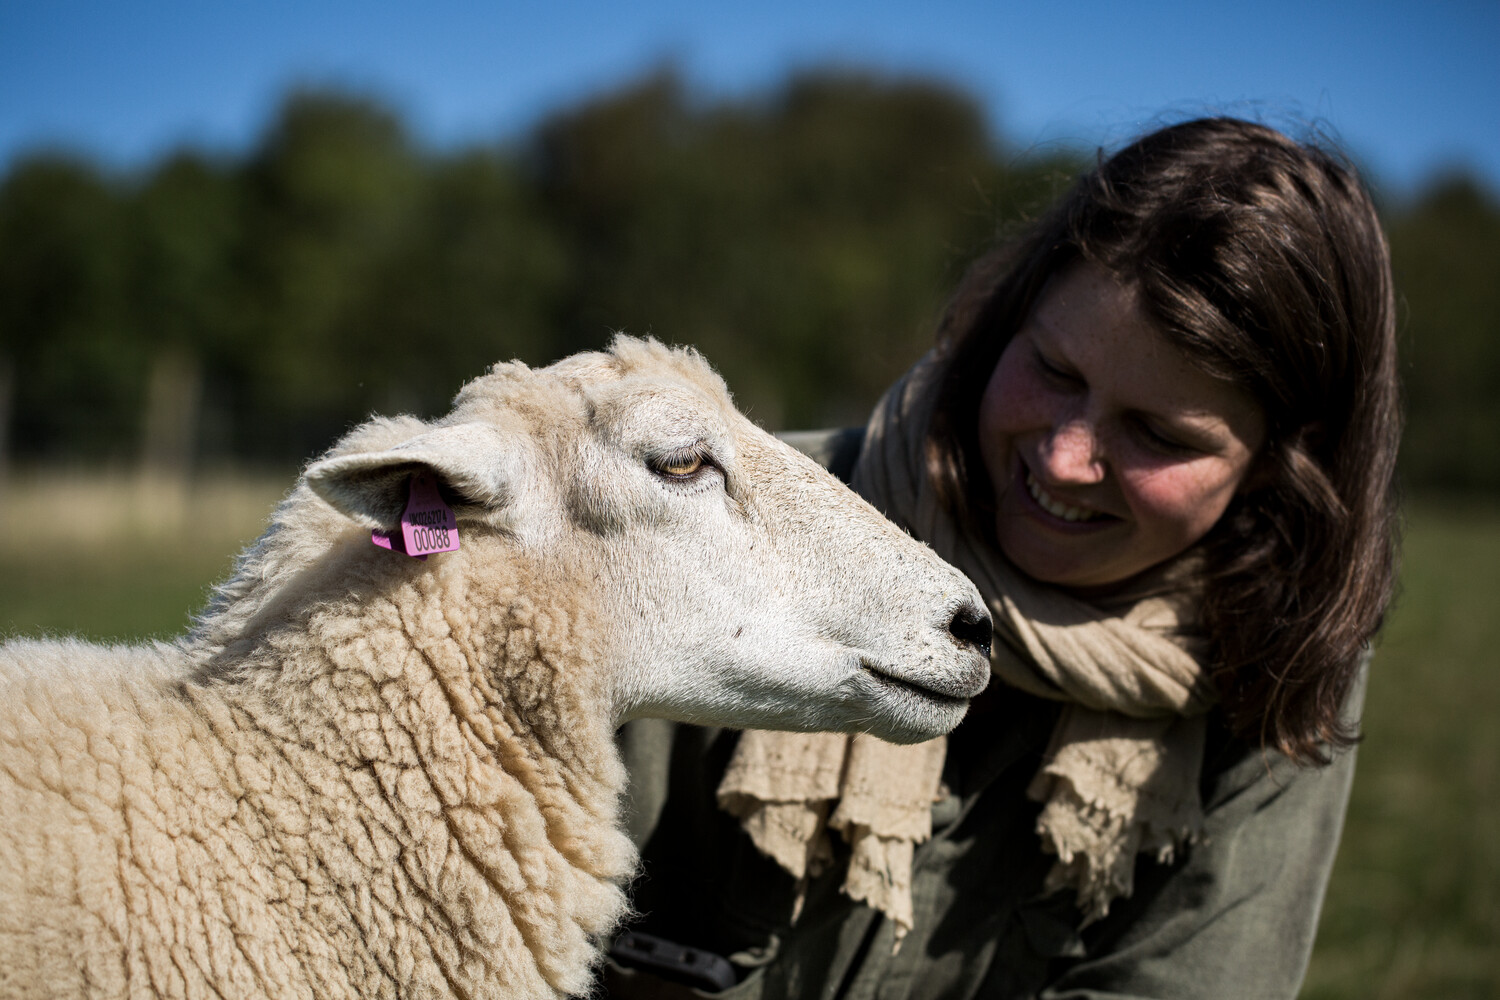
{"x":453,"y":755}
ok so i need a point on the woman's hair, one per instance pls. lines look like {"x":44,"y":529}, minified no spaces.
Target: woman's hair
{"x":1261,"y":258}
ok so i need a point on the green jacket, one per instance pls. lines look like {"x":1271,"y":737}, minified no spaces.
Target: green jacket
{"x":1233,"y":916}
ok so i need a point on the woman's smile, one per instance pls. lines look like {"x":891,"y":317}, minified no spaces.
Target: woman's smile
{"x":1107,"y":450}
{"x":1073,"y":515}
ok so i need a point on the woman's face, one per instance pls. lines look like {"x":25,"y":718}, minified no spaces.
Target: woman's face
{"x":1108,"y":452}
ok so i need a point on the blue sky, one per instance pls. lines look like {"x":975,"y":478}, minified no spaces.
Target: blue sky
{"x":1410,"y":88}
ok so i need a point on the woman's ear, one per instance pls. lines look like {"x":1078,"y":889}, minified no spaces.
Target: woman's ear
{"x":1280,"y":453}
{"x":1262,"y":472}
{"x":477,"y":464}
{"x":1311,"y":437}
{"x":1290,"y":465}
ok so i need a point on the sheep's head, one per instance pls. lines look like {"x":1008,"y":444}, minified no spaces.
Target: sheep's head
{"x":734,"y":581}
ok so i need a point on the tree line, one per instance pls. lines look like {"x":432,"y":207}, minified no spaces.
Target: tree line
{"x":250,"y":307}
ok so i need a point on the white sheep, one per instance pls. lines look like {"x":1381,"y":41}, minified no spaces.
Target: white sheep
{"x":364,"y":775}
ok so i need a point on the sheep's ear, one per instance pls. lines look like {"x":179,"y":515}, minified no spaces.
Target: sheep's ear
{"x":475,"y":463}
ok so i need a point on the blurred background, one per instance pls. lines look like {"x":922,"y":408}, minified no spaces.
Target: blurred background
{"x":229,"y":233}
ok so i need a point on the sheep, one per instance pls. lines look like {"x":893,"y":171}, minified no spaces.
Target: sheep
{"x":365,"y":774}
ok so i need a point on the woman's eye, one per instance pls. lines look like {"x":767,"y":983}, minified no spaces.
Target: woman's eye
{"x":1053,"y":373}
{"x":679,"y":466}
{"x":1161,"y":442}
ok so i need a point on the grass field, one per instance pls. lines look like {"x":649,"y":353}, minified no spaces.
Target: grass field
{"x":1414,"y":907}
{"x":119,"y":557}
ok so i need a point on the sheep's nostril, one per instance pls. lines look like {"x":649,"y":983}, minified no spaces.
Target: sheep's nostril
{"x":971,"y":626}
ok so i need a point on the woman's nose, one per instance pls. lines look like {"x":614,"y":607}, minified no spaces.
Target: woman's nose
{"x":1071,"y":454}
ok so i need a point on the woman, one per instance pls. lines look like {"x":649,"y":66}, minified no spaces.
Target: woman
{"x":1159,"y":433}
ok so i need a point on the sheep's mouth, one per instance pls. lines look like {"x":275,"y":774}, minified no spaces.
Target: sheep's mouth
{"x":886,"y":679}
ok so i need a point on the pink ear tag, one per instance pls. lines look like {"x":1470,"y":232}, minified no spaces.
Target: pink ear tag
{"x":428,"y":524}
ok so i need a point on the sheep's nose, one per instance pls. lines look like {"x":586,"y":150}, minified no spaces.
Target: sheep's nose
{"x":971,"y":626}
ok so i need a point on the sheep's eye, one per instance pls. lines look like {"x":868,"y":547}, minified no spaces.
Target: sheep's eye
{"x":679,"y":466}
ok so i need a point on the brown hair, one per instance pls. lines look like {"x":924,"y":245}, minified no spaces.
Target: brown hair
{"x":1262,"y":259}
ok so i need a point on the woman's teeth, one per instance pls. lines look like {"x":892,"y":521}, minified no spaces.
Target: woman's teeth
{"x":1051,"y":506}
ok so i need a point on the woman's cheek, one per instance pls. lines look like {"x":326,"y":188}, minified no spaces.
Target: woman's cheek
{"x":1014,"y":400}
{"x":1184,"y":499}
{"x":997,"y":422}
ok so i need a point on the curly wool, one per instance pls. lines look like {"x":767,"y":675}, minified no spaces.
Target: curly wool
{"x":371,"y":791}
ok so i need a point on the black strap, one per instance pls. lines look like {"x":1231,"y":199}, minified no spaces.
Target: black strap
{"x":672,"y":961}
{"x":844,"y":451}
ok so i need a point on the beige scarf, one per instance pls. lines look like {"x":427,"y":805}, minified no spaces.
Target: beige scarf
{"x":1121,"y":772}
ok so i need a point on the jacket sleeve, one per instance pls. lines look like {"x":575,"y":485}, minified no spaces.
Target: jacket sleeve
{"x":1237,"y":916}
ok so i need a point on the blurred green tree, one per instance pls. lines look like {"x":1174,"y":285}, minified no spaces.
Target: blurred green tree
{"x":184,"y":224}
{"x":1446,"y":255}
{"x":803,"y":237}
{"x":803,"y":240}
{"x":78,"y":368}
{"x":475,"y":278}
{"x":328,"y":196}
